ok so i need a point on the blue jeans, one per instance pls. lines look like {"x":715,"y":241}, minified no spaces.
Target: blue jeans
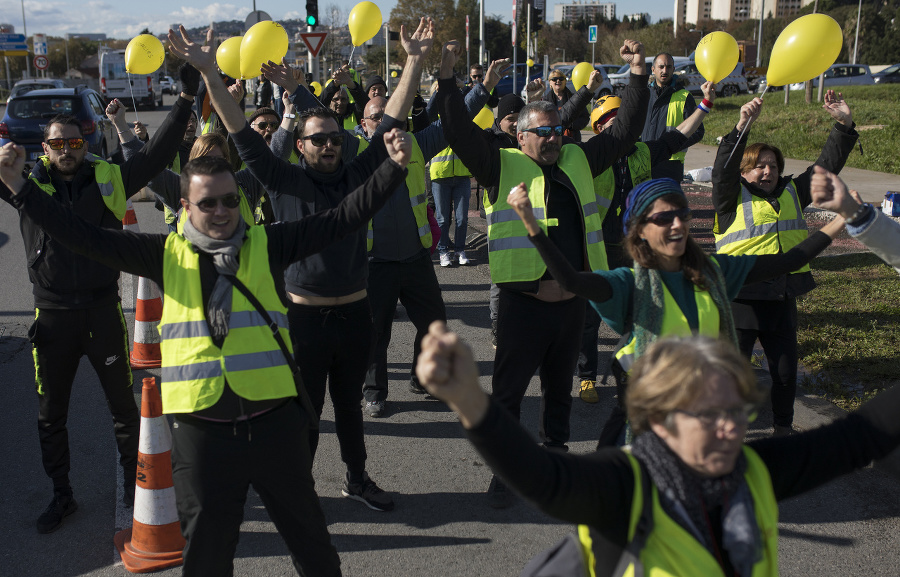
{"x":451,"y":197}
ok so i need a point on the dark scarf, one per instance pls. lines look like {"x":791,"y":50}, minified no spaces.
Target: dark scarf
{"x":687,"y":497}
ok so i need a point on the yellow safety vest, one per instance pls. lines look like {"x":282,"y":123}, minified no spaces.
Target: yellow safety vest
{"x":675,"y":116}
{"x":246,"y":213}
{"x":758,"y":229}
{"x":605,"y":182}
{"x":194,"y":369}
{"x":212,"y":122}
{"x":675,"y":323}
{"x":670,"y":551}
{"x":109,"y":181}
{"x":445,"y":164}
{"x":512,"y":257}
{"x":415,"y":183}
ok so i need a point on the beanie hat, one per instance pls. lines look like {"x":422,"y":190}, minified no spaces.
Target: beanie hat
{"x":509,"y":104}
{"x":261,"y":112}
{"x":375,"y":81}
{"x":642,"y":196}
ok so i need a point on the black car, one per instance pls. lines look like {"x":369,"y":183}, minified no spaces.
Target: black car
{"x":27,"y":115}
{"x":889,"y":75}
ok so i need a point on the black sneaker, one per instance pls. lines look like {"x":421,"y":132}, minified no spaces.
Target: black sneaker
{"x":368,"y":493}
{"x":415,"y":387}
{"x":61,"y":506}
{"x":499,"y":495}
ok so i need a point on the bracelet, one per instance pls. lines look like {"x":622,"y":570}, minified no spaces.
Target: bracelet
{"x":119,"y":133}
{"x":703,"y":107}
{"x":860,"y":215}
{"x":707,"y":103}
{"x":290,"y":116}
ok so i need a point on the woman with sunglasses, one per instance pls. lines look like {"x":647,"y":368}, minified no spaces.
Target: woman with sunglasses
{"x":674,"y":288}
{"x":558,"y":94}
{"x":690,"y":498}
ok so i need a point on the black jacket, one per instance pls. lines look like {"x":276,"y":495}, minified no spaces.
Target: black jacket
{"x":655,"y":126}
{"x":63,"y":279}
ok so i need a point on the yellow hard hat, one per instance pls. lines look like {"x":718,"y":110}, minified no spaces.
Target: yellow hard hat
{"x":605,"y":105}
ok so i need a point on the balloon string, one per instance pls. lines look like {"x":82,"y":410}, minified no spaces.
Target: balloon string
{"x":351,"y":54}
{"x":745,"y":129}
{"x":133,"y":101}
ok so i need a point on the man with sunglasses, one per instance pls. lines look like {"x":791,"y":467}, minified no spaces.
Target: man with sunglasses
{"x":77,"y":308}
{"x":539,"y":324}
{"x":240,"y":418}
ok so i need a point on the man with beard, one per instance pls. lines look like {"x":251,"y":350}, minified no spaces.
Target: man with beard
{"x":77,"y":305}
{"x":539,"y":324}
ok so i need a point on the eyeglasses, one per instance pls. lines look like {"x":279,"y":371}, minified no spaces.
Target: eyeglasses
{"x":557,"y":79}
{"x":377,"y":117}
{"x":58,"y":143}
{"x":668,"y":217}
{"x":263,"y":125}
{"x":545,"y":131}
{"x":715,"y":418}
{"x":320,"y":138}
{"x":210,"y":204}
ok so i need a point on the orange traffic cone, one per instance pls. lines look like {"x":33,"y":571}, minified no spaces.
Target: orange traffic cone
{"x":146,"y":353}
{"x":130,"y":221}
{"x":154,"y":541}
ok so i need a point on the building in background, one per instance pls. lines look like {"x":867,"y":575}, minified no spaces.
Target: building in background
{"x":692,"y":12}
{"x":574,"y":11}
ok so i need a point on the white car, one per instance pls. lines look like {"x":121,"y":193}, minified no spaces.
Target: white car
{"x":168,"y":85}
{"x":25,"y":86}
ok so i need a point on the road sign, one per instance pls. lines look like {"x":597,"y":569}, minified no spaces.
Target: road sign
{"x":592,"y":34}
{"x":13,"y":45}
{"x":41,"y":62}
{"x":255,"y":17}
{"x":14,"y":38}
{"x":314,"y":41}
{"x":40,"y":44}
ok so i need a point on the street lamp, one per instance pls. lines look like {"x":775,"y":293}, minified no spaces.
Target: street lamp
{"x":25,"y":33}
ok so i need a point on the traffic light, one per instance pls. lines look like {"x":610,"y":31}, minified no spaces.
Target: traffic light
{"x":537,"y":19}
{"x":312,"y":13}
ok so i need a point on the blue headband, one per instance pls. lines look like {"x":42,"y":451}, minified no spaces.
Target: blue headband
{"x":642,"y":196}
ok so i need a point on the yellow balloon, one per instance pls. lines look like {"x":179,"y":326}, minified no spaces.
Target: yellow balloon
{"x":393,"y":74}
{"x":581,"y":74}
{"x":144,"y":54}
{"x":804,"y":49}
{"x":364,"y":22}
{"x":316,"y":87}
{"x":228,"y":56}
{"x":484,"y":118}
{"x":264,"y":41}
{"x":529,"y":62}
{"x":716,"y":55}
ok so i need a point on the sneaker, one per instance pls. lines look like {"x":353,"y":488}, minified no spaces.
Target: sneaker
{"x":589,"y":392}
{"x":61,"y":506}
{"x":445,"y":259}
{"x":499,"y":495}
{"x":367,"y":493}
{"x":374,"y":408}
{"x":784,"y":431}
{"x":463,"y":259}
{"x":415,"y":387}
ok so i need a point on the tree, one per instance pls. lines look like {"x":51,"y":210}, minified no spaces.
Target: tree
{"x":448,"y":26}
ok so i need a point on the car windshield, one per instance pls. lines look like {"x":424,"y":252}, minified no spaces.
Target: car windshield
{"x":25,"y":108}
{"x":624,"y":69}
{"x":891,"y":69}
{"x":116,"y":71}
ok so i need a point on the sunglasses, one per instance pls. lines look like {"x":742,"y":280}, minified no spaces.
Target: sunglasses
{"x":545,"y":131}
{"x":210,"y":204}
{"x":320,"y":138}
{"x":58,"y":143}
{"x":474,"y":76}
{"x":668,"y":217}
{"x":557,"y":79}
{"x":377,"y":117}
{"x":266,"y":125}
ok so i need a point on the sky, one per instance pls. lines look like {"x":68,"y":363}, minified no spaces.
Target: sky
{"x":126,"y":20}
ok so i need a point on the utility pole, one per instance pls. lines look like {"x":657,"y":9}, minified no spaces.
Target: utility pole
{"x":481,"y":59}
{"x":759,"y":40}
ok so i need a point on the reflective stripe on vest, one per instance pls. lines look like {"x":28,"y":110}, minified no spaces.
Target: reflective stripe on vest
{"x":210,"y":125}
{"x":107,"y":176}
{"x":194,"y":369}
{"x":675,"y":116}
{"x":669,"y":549}
{"x":675,"y":323}
{"x":758,"y":229}
{"x":445,"y":164}
{"x":605,"y":182}
{"x":415,"y":184}
{"x":511,"y":255}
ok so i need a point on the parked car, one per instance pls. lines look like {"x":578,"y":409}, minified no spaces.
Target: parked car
{"x":27,"y":115}
{"x":889,"y":75}
{"x":505,"y":86}
{"x":168,"y":85}
{"x":620,"y":79}
{"x":761,"y":86}
{"x":605,"y":86}
{"x":609,"y":68}
{"x":733,"y":84}
{"x":842,"y":75}
{"x":25,"y":86}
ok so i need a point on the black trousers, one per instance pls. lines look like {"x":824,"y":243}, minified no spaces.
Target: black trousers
{"x":532,"y":335}
{"x":214,"y":465}
{"x":774,"y":323}
{"x":333,"y":345}
{"x":60,"y":337}
{"x":416,"y":285}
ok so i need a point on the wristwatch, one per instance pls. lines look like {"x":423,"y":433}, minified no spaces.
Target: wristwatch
{"x":290,"y":116}
{"x":861,"y":214}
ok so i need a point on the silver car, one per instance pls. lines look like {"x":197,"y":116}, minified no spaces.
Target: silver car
{"x":733,"y":84}
{"x":25,"y":86}
{"x":842,"y":75}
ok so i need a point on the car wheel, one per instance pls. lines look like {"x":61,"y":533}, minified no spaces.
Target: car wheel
{"x":729,"y":90}
{"x":603,"y":93}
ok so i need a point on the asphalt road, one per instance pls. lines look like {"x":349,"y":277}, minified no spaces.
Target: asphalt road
{"x":442,"y":524}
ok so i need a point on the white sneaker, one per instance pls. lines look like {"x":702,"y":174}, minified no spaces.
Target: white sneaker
{"x":463,"y":259}
{"x":445,"y":259}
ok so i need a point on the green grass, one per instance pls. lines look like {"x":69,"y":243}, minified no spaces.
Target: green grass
{"x":800,"y":129}
{"x":849,"y":328}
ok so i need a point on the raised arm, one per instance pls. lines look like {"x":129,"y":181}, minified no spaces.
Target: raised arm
{"x":417,"y":48}
{"x":726,"y":174}
{"x":575,"y":108}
